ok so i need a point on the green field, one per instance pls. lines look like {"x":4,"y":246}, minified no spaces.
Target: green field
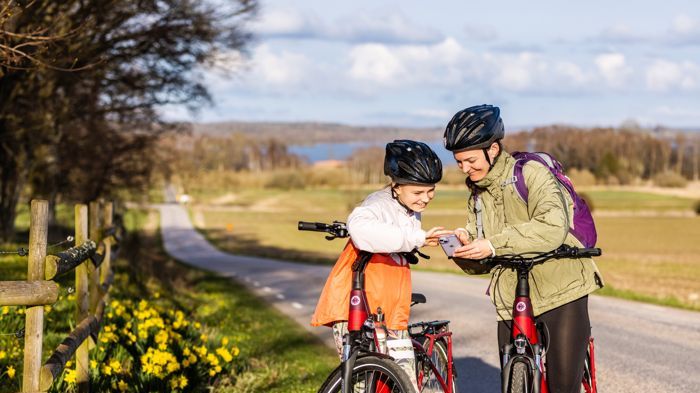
{"x":652,"y":257}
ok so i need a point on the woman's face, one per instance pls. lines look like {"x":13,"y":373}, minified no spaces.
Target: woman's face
{"x":473,"y":162}
{"x":415,"y":197}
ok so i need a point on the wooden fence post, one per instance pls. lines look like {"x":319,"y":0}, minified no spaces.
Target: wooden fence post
{"x":93,"y":272}
{"x":34,"y":326}
{"x":82,"y":357}
{"x":106,"y":267}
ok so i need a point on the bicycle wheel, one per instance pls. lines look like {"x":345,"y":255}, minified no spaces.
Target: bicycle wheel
{"x":519,"y":378}
{"x":427,"y":382}
{"x":371,"y":374}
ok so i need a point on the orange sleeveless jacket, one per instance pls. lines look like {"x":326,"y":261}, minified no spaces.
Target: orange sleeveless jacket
{"x":387,"y":283}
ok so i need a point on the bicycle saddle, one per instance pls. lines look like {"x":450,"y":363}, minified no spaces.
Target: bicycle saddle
{"x":418,"y":298}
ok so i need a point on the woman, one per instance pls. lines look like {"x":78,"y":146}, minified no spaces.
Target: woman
{"x":507,"y":225}
{"x":387,"y":223}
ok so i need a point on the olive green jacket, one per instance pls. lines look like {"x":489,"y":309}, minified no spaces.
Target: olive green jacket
{"x":540,"y":225}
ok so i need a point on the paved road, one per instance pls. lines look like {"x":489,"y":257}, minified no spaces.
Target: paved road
{"x":640,"y":347}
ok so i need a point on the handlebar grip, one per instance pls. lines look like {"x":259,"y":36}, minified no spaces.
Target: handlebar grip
{"x":590,"y":252}
{"x":312,"y":226}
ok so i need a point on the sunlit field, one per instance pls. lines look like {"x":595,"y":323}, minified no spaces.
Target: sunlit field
{"x":649,"y":240}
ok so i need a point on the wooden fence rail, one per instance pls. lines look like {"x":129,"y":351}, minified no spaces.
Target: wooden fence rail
{"x":92,"y":282}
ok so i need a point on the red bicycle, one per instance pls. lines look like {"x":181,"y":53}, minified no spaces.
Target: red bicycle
{"x":524,"y":357}
{"x":365,"y":366}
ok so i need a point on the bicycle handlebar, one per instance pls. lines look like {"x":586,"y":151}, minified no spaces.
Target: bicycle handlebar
{"x":521,"y":260}
{"x":336,"y":229}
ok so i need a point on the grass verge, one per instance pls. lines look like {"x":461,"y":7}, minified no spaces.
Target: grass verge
{"x":241,"y":343}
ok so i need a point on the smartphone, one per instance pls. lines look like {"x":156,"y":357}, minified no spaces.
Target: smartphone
{"x":449,"y":244}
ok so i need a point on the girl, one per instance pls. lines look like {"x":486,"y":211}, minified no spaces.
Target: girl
{"x":387,"y":223}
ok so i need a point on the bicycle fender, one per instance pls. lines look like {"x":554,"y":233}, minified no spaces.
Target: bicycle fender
{"x":347,"y":367}
{"x":505,"y":372}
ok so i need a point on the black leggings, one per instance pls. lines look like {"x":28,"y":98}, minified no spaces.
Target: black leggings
{"x":568,"y":329}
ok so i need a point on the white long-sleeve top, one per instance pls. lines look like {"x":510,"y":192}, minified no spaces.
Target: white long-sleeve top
{"x":381,"y":225}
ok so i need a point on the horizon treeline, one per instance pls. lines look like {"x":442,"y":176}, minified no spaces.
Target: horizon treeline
{"x":625,"y":155}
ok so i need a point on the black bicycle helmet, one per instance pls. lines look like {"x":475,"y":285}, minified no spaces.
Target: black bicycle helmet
{"x":476,"y":127}
{"x":411,"y":162}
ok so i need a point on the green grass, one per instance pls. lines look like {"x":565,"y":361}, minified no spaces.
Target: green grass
{"x":636,"y":201}
{"x":276,"y":354}
{"x":645,"y":257}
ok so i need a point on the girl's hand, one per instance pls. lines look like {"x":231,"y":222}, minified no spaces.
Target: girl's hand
{"x":433,"y":234}
{"x":477,"y":249}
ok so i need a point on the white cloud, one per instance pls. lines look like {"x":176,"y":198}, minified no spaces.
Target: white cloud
{"x":393,"y":28}
{"x":387,"y":28}
{"x":376,"y":63}
{"x":449,"y":64}
{"x":285,"y":68}
{"x":287,"y":23}
{"x":410,"y":65}
{"x":683,"y":24}
{"x":613,"y":69}
{"x":684,"y":30}
{"x":664,"y":75}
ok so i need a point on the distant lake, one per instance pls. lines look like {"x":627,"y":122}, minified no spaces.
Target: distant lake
{"x":343,"y":151}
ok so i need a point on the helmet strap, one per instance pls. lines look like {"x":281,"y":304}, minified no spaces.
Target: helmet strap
{"x":488,"y":159}
{"x":396,"y":196}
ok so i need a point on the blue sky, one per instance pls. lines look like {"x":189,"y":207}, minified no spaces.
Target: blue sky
{"x":415,"y":63}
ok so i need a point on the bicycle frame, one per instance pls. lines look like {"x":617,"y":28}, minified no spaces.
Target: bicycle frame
{"x":420,"y":350}
{"x":360,"y":341}
{"x":525,"y":345}
{"x":524,"y":339}
{"x":360,"y":319}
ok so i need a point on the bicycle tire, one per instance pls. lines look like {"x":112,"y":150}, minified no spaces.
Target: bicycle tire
{"x":519,"y":378}
{"x":439,"y":359}
{"x":372,"y":371}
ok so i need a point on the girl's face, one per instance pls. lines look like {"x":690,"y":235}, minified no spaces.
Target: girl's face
{"x":415,"y":197}
{"x":473,"y":162}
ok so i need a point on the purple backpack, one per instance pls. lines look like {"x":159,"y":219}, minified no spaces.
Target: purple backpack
{"x":583,"y":225}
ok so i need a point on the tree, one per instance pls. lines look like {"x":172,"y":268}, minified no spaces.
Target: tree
{"x":79,"y":112}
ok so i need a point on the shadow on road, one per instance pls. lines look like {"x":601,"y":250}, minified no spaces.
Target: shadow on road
{"x":473,"y":375}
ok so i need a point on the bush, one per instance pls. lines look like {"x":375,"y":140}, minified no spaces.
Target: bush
{"x":670,"y":179}
{"x":696,"y":207}
{"x":287,"y":180}
{"x":329,"y":177}
{"x":581,"y":177}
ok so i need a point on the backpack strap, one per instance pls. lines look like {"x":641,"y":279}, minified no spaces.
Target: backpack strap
{"x":479,"y":217}
{"x":522,"y":158}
